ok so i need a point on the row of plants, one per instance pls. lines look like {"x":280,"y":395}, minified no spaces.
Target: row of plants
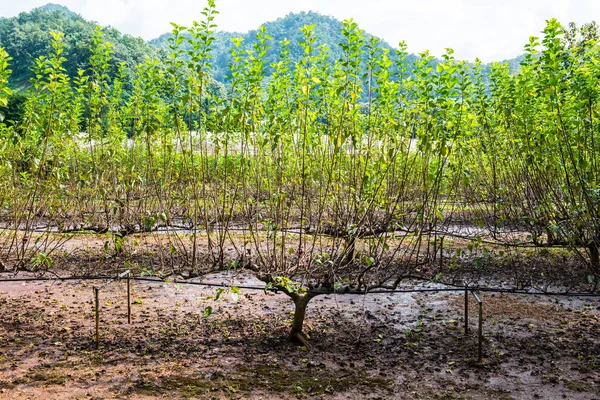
{"x":317,"y":176}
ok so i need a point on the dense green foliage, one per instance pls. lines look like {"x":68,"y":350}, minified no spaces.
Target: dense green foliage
{"x":26,"y":37}
{"x":338,"y":174}
{"x":327,"y":31}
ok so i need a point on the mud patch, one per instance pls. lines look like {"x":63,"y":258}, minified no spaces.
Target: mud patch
{"x":384,"y":346}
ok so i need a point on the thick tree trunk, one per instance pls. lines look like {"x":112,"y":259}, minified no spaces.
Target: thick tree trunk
{"x":299,"y":314}
{"x":301,"y":302}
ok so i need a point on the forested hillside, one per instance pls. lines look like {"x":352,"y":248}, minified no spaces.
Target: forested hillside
{"x":27,"y":36}
{"x":328,"y":31}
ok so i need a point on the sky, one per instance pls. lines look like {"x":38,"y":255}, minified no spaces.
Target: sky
{"x":491,"y":30}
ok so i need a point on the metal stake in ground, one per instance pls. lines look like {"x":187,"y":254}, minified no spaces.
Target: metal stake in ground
{"x":97,"y":302}
{"x":480,"y":330}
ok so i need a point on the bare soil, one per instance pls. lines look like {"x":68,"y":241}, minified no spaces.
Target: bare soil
{"x":374,"y":346}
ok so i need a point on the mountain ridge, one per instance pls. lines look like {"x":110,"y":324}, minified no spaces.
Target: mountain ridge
{"x":25,"y":37}
{"x":327,"y":30}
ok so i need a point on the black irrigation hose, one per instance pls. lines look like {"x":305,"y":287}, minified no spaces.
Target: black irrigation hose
{"x":274,"y":289}
{"x":207,"y":284}
{"x":68,"y":278}
{"x":516,"y":291}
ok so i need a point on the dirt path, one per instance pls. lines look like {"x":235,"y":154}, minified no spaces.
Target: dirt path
{"x":384,"y":346}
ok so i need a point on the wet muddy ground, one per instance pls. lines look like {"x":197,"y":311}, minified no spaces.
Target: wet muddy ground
{"x":375,"y":346}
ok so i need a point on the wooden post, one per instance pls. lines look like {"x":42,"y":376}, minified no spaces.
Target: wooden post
{"x":480,"y":350}
{"x":128,"y":300}
{"x":441,"y":253}
{"x":480,"y":329}
{"x":434,"y":248}
{"x":466,"y":311}
{"x":97,"y":303}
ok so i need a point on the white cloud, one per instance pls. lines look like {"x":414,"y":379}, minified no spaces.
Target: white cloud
{"x":488,"y":29}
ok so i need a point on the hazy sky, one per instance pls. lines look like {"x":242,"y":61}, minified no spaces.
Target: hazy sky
{"x":492,"y":30}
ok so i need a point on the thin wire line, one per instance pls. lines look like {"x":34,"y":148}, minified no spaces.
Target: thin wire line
{"x":340,"y":292}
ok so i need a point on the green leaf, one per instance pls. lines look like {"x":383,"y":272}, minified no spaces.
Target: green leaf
{"x":439,"y":214}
